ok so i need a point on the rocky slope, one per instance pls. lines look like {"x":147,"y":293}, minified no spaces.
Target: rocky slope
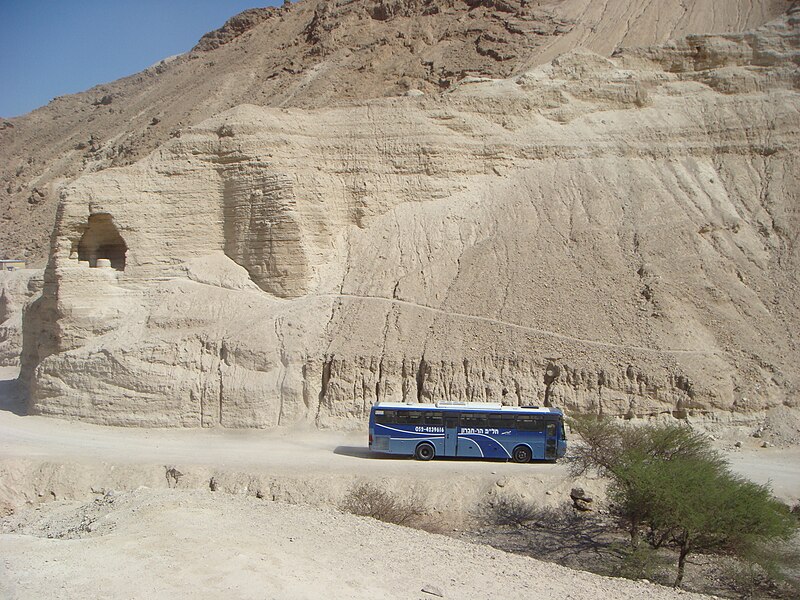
{"x":607,"y":234}
{"x":313,"y":54}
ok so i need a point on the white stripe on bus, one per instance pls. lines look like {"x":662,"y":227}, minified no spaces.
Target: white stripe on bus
{"x":477,"y":444}
{"x":491,"y":438}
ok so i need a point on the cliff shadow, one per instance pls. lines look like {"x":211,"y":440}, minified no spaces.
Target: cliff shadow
{"x":11,"y":399}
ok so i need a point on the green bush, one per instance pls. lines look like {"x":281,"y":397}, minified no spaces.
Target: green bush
{"x":670,"y":484}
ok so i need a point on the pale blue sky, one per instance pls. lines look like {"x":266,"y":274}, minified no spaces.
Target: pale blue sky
{"x":53,"y":47}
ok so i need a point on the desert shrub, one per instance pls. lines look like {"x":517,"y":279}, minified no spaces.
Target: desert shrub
{"x":506,"y":511}
{"x":369,"y":500}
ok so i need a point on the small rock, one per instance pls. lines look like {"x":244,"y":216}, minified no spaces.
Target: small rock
{"x":549,"y":493}
{"x":757,"y":434}
{"x":501,"y":482}
{"x":580,"y":499}
{"x":577,"y":493}
{"x":414,"y":93}
{"x":173,"y":476}
{"x":432,"y":590}
{"x":738,"y":444}
{"x":766,"y":445}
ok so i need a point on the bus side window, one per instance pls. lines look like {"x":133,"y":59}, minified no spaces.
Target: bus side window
{"x":451,"y":419}
{"x":385,"y":417}
{"x":473,"y":420}
{"x":434,"y":418}
{"x":502,"y":421}
{"x":530,"y":423}
{"x":409,"y":417}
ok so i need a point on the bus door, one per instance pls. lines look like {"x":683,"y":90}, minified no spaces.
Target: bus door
{"x":450,"y":434}
{"x":551,"y":440}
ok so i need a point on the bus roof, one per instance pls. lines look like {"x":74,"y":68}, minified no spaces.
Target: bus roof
{"x":476,"y":406}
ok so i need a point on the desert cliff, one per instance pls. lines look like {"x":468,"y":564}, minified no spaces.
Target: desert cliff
{"x":613,"y":233}
{"x":311,"y":54}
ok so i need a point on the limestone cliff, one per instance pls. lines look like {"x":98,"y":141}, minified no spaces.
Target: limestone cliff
{"x":608,"y":234}
{"x":317,"y":53}
{"x":16,"y":288}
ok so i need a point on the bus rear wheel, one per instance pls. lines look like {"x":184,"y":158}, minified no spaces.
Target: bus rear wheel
{"x":522,"y":454}
{"x":424,"y":452}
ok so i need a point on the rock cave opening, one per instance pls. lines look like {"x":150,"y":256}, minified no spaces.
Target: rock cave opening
{"x":102,"y":240}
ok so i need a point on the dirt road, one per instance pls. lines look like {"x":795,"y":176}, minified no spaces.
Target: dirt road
{"x":312,"y":453}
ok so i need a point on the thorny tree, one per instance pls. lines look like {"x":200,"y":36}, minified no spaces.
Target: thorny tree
{"x":668,"y":482}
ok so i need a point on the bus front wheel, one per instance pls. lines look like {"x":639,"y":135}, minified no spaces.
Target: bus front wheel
{"x":522,"y":454}
{"x":424,"y":452}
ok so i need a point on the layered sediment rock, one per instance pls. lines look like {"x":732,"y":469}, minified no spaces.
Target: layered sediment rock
{"x":16,"y":288}
{"x":313,"y":54}
{"x":613,"y":235}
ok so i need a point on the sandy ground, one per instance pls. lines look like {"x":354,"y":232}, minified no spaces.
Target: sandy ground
{"x":192,"y":544}
{"x":146,"y":540}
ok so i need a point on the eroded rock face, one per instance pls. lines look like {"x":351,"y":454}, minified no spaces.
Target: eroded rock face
{"x":263,"y":231}
{"x":315,"y":54}
{"x":600,"y":234}
{"x":16,"y":289}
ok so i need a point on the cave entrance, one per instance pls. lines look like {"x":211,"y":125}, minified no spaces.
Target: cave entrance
{"x":102,"y":240}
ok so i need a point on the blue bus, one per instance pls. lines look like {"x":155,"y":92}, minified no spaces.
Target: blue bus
{"x":468,"y":429}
